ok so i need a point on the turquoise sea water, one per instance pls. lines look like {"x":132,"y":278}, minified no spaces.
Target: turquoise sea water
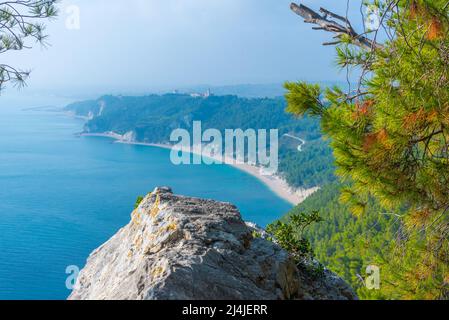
{"x":62,"y":196}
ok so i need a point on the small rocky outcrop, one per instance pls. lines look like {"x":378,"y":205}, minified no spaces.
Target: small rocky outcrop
{"x":186,"y":248}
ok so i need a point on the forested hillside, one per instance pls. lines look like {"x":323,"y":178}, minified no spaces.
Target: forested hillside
{"x":152,"y":118}
{"x":348,"y":244}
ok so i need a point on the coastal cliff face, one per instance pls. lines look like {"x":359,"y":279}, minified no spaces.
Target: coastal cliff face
{"x":186,"y":248}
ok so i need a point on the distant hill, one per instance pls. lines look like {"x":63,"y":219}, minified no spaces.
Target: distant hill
{"x":152,"y":118}
{"x":243,"y":90}
{"x":270,"y":90}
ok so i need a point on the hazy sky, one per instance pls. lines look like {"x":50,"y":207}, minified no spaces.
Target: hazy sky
{"x":169,"y":43}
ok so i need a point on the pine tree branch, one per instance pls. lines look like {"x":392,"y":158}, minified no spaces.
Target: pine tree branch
{"x":19,"y":26}
{"x":324,"y":22}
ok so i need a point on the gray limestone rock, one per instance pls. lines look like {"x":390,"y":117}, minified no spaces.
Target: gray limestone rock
{"x":178,"y":247}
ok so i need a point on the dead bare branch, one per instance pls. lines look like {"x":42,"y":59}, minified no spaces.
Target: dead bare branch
{"x":324,"y":22}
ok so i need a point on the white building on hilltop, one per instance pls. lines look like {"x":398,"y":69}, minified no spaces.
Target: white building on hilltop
{"x":206,"y":94}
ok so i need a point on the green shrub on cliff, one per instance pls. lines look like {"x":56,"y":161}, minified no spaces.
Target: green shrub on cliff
{"x":290,"y":234}
{"x":138,"y":201}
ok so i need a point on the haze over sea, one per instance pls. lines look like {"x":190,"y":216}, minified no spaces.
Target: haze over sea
{"x":62,"y":196}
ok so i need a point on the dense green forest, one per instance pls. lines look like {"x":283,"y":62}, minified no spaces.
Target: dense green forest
{"x":347,"y":244}
{"x":152,"y":118}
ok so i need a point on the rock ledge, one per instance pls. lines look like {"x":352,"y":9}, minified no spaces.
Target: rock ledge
{"x":186,"y":248}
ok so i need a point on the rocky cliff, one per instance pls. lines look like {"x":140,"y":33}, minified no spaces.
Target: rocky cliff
{"x":186,"y":248}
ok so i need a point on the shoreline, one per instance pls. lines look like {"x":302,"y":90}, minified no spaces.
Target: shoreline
{"x":276,"y":184}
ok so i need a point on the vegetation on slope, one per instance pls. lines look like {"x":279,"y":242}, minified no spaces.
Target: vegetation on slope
{"x":347,"y":244}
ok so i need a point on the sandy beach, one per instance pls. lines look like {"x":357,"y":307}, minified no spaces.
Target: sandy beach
{"x":276,"y":184}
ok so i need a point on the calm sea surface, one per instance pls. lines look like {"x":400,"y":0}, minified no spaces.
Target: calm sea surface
{"x":62,"y":196}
